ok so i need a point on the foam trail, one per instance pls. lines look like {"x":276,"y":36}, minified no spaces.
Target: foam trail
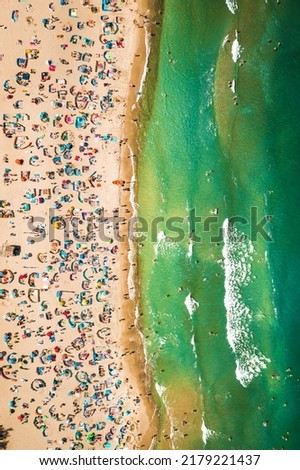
{"x":206,"y":433}
{"x":233,"y":86}
{"x":164,"y":245}
{"x":236,"y":49}
{"x":132,"y":251}
{"x":191,"y":304}
{"x":232,"y":6}
{"x":190,"y":243}
{"x":226,"y":39}
{"x":161,"y":392}
{"x":274,"y":290}
{"x":237,"y":254}
{"x":148,"y":50}
{"x":190,"y":248}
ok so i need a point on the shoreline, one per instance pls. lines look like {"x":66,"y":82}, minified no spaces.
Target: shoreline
{"x":133,"y":336}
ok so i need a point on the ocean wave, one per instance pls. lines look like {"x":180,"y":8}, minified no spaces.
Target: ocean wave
{"x":161,"y":392}
{"x":160,"y":389}
{"x":238,"y":254}
{"x":165,"y":245}
{"x":144,"y":75}
{"x":274,"y":290}
{"x":190,"y":242}
{"x":132,"y":250}
{"x":236,"y":49}
{"x":232,"y":6}
{"x":226,"y":39}
{"x":206,"y":433}
{"x":191,"y":304}
{"x":190,"y":248}
{"x":233,"y":86}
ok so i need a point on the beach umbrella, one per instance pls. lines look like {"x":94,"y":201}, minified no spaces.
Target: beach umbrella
{"x":10,"y":316}
{"x":12,"y":358}
{"x":71,"y":322}
{"x":39,"y":410}
{"x":82,"y":377}
{"x":3,"y":293}
{"x":91,"y":437}
{"x":34,"y":354}
{"x":101,"y":294}
{"x":86,"y":314}
{"x":83,"y":355}
{"x":83,"y":79}
{"x":109,"y":436}
{"x":67,"y":373}
{"x":103,"y":332}
{"x":14,"y":294}
{"x":37,"y":384}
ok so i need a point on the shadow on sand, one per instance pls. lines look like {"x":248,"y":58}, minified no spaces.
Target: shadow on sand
{"x":4,"y":434}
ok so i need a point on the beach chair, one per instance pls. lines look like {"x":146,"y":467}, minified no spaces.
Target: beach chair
{"x":87,"y":57}
{"x":75,"y":38}
{"x":110,"y":28}
{"x":22,"y":63}
{"x":34,"y":295}
{"x":88,"y":42}
{"x":73,"y":12}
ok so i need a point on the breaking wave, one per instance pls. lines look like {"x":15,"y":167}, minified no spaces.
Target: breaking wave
{"x":191,"y":304}
{"x":232,"y":6}
{"x":237,"y":254}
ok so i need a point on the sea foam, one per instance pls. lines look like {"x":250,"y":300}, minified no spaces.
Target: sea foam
{"x":145,"y":71}
{"x":232,"y":6}
{"x":165,"y":245}
{"x":206,"y":433}
{"x":238,"y":254}
{"x":236,"y":50}
{"x":226,"y":39}
{"x":191,"y":304}
{"x":132,"y":251}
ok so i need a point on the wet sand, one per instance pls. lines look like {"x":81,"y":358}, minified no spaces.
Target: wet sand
{"x":72,"y":369}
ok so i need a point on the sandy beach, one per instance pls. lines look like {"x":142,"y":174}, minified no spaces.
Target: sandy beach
{"x":71,"y":355}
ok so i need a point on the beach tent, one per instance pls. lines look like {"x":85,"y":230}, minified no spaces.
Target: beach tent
{"x":34,"y":295}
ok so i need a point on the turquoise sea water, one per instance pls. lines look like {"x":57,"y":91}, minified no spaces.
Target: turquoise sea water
{"x":221,"y":317}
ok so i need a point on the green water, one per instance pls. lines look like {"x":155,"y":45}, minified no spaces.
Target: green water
{"x":226,"y":372}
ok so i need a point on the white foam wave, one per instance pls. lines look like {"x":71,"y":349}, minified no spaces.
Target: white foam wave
{"x":190,"y":243}
{"x":160,"y":389}
{"x":132,"y":251}
{"x":191,"y":304}
{"x":274,"y":291}
{"x":233,"y":86}
{"x":164,"y":244}
{"x":190,"y":248}
{"x":161,"y":392}
{"x":132,"y":196}
{"x":232,"y":6}
{"x":148,"y":50}
{"x":206,"y":433}
{"x":237,"y":253}
{"x":236,"y":50}
{"x":226,"y":39}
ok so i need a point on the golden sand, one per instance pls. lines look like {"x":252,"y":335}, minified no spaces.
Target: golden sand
{"x":72,"y":367}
